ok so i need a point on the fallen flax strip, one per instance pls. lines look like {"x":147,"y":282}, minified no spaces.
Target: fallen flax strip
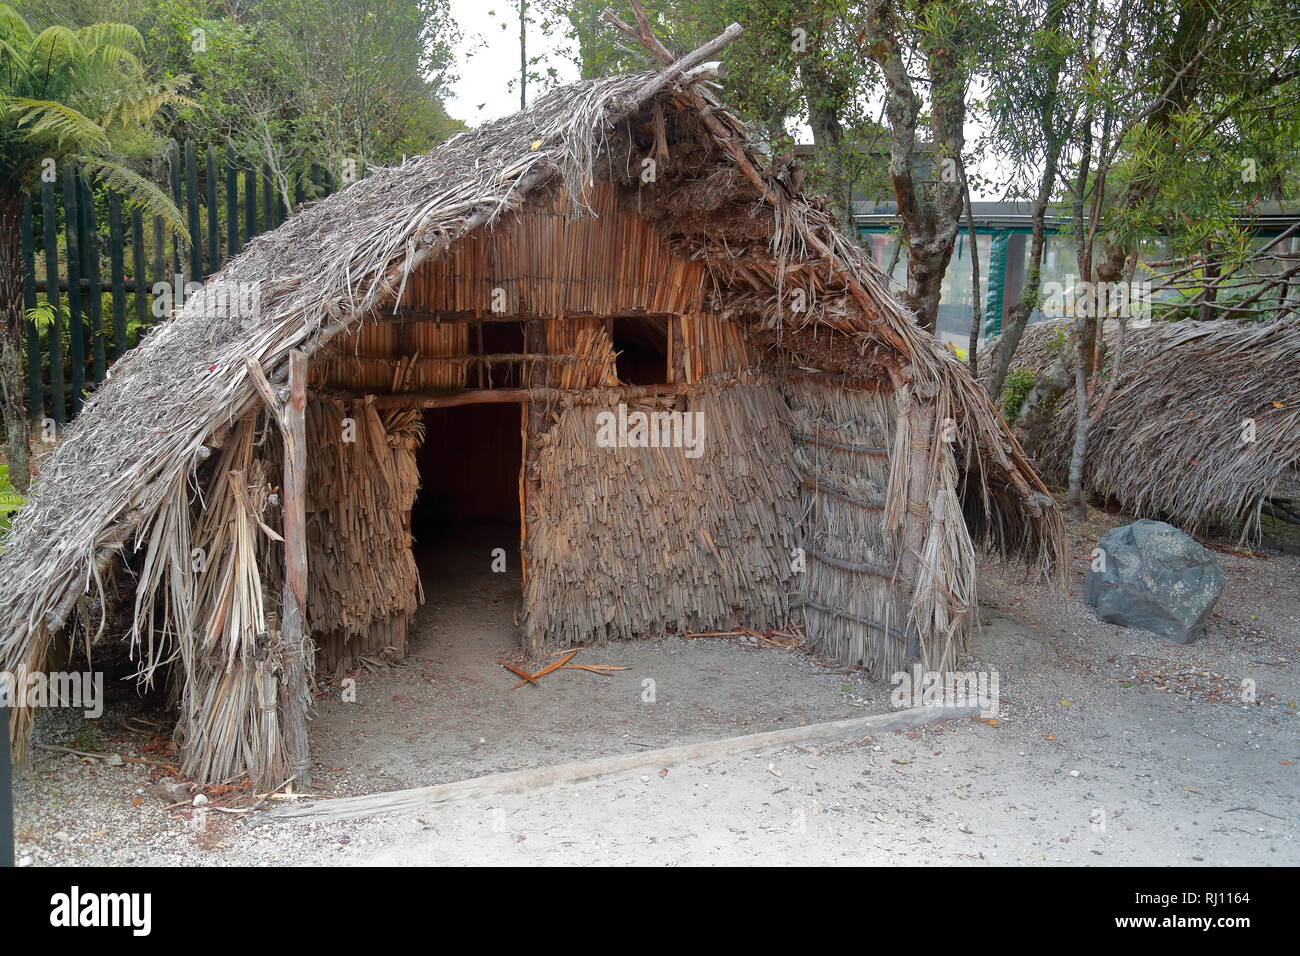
{"x":350,"y":808}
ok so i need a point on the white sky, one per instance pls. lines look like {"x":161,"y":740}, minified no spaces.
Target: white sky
{"x":488,"y":60}
{"x":488,"y":68}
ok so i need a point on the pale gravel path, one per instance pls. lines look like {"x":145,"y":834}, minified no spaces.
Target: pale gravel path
{"x":1153,"y":730}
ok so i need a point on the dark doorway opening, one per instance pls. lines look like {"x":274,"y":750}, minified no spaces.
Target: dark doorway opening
{"x":467,"y":508}
{"x":469,"y":474}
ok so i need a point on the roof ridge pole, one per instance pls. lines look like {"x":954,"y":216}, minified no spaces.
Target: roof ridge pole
{"x":696,"y":58}
{"x":295,"y":694}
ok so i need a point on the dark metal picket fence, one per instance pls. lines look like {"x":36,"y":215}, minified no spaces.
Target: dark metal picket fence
{"x":102,"y":298}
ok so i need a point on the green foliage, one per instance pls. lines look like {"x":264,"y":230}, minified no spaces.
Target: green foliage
{"x":341,"y":84}
{"x":10,"y":501}
{"x":79,"y":95}
{"x":799,"y":62}
{"x":1018,"y":383}
{"x":86,"y":738}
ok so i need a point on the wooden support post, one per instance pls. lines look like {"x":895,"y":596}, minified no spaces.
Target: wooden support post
{"x":535,"y":376}
{"x":6,"y":788}
{"x":295,"y":695}
{"x":677,"y":349}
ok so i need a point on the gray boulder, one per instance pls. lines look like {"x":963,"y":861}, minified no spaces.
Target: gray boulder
{"x":1155,"y":578}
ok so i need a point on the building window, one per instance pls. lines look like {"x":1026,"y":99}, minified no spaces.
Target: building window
{"x":642,"y":345}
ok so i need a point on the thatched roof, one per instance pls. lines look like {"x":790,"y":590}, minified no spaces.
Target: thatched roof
{"x":328,"y":267}
{"x":1169,"y":441}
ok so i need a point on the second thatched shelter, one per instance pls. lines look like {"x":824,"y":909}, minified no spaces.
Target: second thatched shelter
{"x":1200,"y":428}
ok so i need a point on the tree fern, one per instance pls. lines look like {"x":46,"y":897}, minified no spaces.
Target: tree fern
{"x":136,"y":189}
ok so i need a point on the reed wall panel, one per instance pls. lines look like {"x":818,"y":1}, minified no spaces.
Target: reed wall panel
{"x":386,"y":356}
{"x":843,"y":439}
{"x":714,"y":346}
{"x":363,"y":583}
{"x":632,"y":542}
{"x":547,"y":265}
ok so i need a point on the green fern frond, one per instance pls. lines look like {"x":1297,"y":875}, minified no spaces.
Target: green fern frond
{"x":138,"y":191}
{"x":41,"y":315}
{"x":13,"y":55}
{"x":14,"y":27}
{"x":121,"y":35}
{"x":58,"y":120}
{"x":112,"y":63}
{"x":57,"y":44}
{"x":140,"y":106}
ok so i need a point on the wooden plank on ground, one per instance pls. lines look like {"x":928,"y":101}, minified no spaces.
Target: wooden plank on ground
{"x":350,"y":808}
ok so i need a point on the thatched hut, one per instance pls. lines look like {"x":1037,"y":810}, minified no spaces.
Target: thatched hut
{"x":620,"y":243}
{"x":1202,"y":426}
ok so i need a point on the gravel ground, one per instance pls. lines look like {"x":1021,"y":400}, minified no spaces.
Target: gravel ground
{"x":1113,"y":747}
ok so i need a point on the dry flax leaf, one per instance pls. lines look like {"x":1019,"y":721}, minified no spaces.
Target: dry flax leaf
{"x":554,"y":666}
{"x":518,"y":672}
{"x":603,"y":669}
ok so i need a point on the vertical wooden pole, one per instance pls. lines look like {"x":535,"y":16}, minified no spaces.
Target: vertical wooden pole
{"x":174,"y":157}
{"x":676,"y":350}
{"x":534,"y":375}
{"x":140,"y":263}
{"x":232,"y":205}
{"x":214,"y":224}
{"x":250,"y":203}
{"x":117,"y":272}
{"x":35,"y":391}
{"x":54,"y":334}
{"x":295,"y":695}
{"x":268,"y":201}
{"x":192,"y":211}
{"x":94,"y":295}
{"x":76,"y":331}
{"x":6,"y":791}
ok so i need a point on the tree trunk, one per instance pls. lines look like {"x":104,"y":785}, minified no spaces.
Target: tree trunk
{"x":1082,"y":363}
{"x":13,"y":378}
{"x":931,"y":224}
